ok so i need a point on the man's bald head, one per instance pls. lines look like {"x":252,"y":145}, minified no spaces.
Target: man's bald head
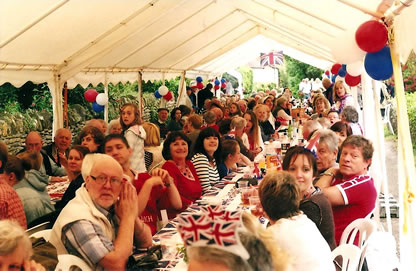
{"x":33,"y":141}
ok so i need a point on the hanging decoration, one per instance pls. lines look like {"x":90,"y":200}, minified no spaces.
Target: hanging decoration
{"x":378,"y":65}
{"x":163,"y":90}
{"x":335,"y":68}
{"x":96,"y":107}
{"x":101,"y":99}
{"x":371,"y":36}
{"x":168,"y":96}
{"x":90,"y":95}
{"x":157,"y":94}
{"x":344,"y":49}
{"x":352,"y":81}
{"x":355,"y":69}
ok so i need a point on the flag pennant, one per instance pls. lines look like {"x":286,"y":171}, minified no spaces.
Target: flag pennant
{"x":271,"y":59}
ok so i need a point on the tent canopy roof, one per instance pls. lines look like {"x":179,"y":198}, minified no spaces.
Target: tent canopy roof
{"x":78,"y":38}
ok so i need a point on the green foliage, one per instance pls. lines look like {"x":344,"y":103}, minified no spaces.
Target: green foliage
{"x":411,"y":110}
{"x":283,"y":77}
{"x":296,"y":71}
{"x":42,"y":98}
{"x":8,"y":97}
{"x":264,"y":87}
{"x":232,"y":79}
{"x":247,"y":74}
{"x":409,"y":73}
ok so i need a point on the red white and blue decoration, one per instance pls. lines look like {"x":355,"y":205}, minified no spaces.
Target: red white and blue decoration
{"x":98,"y":100}
{"x":271,"y":59}
{"x":371,"y":38}
{"x":213,"y":227}
{"x":164,"y":92}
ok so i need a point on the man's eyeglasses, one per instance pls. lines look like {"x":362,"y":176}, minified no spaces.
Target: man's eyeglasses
{"x":101,"y":180}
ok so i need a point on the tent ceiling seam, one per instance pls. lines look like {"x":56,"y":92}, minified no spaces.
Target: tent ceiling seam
{"x":109,"y":32}
{"x":292,"y":18}
{"x":310,"y":14}
{"x":193,"y":36}
{"x":209,"y":44}
{"x":35,"y":22}
{"x":164,"y":32}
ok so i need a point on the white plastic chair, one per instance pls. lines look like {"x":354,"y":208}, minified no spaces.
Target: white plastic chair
{"x":66,"y":261}
{"x":46,"y":234}
{"x":350,"y":256}
{"x":365,"y":227}
{"x":386,"y":120}
{"x":37,"y":228}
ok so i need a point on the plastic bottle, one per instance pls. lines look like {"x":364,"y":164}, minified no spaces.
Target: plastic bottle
{"x":289,"y":130}
{"x":285,"y":144}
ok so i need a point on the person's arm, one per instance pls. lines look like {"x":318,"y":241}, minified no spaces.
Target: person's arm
{"x":331,"y":192}
{"x":201,"y":165}
{"x":127,"y":210}
{"x":146,"y":190}
{"x":173,"y":193}
{"x":326,"y":178}
{"x":142,"y":234}
{"x":56,"y":171}
{"x":282,"y":114}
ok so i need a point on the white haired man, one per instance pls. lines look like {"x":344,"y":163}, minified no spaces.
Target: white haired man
{"x":101,"y":224}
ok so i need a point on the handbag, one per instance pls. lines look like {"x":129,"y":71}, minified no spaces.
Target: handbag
{"x":145,"y":259}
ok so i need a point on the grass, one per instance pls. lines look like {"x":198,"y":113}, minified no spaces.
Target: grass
{"x":393,"y":137}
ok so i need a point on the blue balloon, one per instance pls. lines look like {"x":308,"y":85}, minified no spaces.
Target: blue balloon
{"x":223,"y":80}
{"x":199,"y":79}
{"x":344,"y":66}
{"x":217,"y":82}
{"x":334,"y":76}
{"x":342,"y":72}
{"x":378,"y":64}
{"x":96,"y":107}
{"x":157,"y":94}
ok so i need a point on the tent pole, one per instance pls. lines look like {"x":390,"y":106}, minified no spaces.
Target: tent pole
{"x":106,"y":92}
{"x":56,"y":92}
{"x":379,"y":143}
{"x":406,"y":168}
{"x":181,"y":85}
{"x":139,"y":92}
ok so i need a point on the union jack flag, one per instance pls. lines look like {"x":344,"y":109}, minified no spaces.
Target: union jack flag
{"x":213,"y":211}
{"x":223,"y":234}
{"x":232,"y":216}
{"x":194,"y":228}
{"x":271,"y":59}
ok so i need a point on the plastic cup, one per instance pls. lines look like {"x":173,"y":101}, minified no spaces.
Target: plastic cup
{"x":169,"y":246}
{"x":242,"y":184}
{"x":245,"y":195}
{"x":255,"y":206}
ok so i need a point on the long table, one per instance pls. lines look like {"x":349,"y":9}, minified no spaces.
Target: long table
{"x":225,"y":194}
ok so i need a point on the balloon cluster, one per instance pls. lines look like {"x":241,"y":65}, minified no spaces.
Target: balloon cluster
{"x":223,"y":84}
{"x":369,"y":41}
{"x":164,"y":92}
{"x":216,"y":84}
{"x":199,"y":83}
{"x":98,"y":100}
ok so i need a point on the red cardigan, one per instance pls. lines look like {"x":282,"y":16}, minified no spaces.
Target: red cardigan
{"x":189,"y":190}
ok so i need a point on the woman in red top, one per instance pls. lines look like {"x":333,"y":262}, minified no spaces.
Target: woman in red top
{"x":176,"y":153}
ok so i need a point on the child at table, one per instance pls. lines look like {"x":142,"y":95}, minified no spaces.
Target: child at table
{"x":230,"y":155}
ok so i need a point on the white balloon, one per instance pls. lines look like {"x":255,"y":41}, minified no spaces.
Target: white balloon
{"x":163,"y":90}
{"x":344,"y":48}
{"x":102,"y":99}
{"x":356,"y":68}
{"x":339,"y":78}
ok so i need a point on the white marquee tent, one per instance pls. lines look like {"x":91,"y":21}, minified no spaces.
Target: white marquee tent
{"x":93,"y":41}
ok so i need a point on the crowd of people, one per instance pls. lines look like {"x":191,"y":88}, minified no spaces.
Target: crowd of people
{"x":124,"y":173}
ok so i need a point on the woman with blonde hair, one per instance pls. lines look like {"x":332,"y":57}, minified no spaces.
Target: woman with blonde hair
{"x":280,"y":112}
{"x":262,"y":113}
{"x":341,"y":96}
{"x":152,"y":147}
{"x":321,"y":106}
{"x":131,"y":123}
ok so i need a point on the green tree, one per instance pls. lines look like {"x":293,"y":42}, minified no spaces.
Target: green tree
{"x":247,"y":74}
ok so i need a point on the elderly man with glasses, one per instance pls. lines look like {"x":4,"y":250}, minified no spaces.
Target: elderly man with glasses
{"x":101,"y":224}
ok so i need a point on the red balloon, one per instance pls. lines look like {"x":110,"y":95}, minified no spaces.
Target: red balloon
{"x":200,"y":85}
{"x":90,"y":95}
{"x":352,"y":81}
{"x":223,"y":85}
{"x":371,"y":36}
{"x":168,"y":96}
{"x":216,"y":87}
{"x":335,"y":68}
{"x":326,"y":72}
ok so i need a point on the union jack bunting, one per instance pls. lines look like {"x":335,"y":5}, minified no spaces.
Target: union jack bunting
{"x":271,"y":59}
{"x":214,"y":227}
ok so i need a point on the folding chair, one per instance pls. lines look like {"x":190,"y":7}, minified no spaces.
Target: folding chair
{"x":350,"y":256}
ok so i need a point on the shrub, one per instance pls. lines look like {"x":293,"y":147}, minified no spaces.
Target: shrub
{"x":411,"y":111}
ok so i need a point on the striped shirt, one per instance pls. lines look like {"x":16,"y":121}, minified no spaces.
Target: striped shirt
{"x":207,"y":174}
